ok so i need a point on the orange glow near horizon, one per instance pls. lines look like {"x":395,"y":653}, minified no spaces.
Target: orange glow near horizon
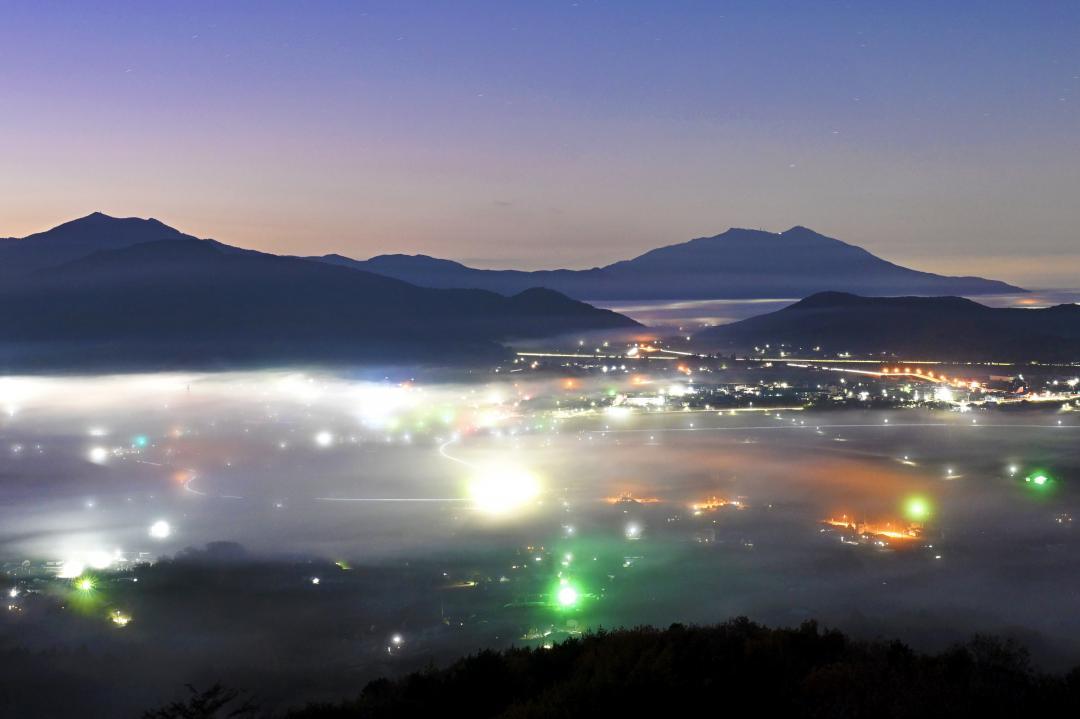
{"x":714,"y":502}
{"x":887,"y":530}
{"x":629,"y":498}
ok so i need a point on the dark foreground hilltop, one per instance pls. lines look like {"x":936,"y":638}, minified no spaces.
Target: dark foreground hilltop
{"x":734,"y":669}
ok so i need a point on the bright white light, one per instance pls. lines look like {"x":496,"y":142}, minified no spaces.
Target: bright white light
{"x":633,"y":531}
{"x":379,"y":406}
{"x":99,"y":559}
{"x":71,"y":568}
{"x":499,"y":489}
{"x":397,"y":640}
{"x":98,"y":455}
{"x":324,"y":439}
{"x":618,"y":412}
{"x":315,"y":580}
{"x":160,"y":529}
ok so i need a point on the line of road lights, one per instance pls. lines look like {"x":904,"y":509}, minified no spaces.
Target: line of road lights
{"x":929,"y":375}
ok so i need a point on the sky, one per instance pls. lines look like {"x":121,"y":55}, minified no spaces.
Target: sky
{"x":944,"y":136}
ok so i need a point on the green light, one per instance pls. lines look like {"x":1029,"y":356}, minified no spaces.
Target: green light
{"x":85,"y":584}
{"x":567,"y":596}
{"x":1039,"y":479}
{"x":917,"y":509}
{"x":140,"y":441}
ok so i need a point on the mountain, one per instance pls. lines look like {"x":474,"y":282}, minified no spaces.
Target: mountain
{"x":738,"y":263}
{"x":178,"y":300}
{"x":948,"y":328}
{"x":79,"y":238}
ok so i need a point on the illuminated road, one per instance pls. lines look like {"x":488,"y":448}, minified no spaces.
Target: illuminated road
{"x":883,"y":425}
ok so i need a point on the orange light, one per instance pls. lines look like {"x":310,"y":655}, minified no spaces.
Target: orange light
{"x":716,"y":503}
{"x":629,"y":498}
{"x":886,"y":530}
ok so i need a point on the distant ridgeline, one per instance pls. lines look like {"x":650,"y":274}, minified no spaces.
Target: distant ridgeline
{"x":134,"y":293}
{"x":735,"y":264}
{"x":946,"y":328}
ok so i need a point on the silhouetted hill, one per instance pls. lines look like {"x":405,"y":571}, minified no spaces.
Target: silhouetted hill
{"x":79,"y":238}
{"x":912,"y":327}
{"x":738,"y":263}
{"x":738,"y":669}
{"x":182,"y":301}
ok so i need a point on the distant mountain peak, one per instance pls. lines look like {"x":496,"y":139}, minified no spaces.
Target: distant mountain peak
{"x":78,"y":238}
{"x":98,"y":222}
{"x":803,"y":231}
{"x":737,"y":263}
{"x":98,"y":217}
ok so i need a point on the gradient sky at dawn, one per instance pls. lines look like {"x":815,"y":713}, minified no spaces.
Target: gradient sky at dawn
{"x":945,"y":136}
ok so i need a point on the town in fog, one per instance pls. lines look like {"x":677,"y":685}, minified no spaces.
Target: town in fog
{"x":371,"y":524}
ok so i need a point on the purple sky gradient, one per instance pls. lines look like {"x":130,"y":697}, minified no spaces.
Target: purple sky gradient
{"x":945,"y":136}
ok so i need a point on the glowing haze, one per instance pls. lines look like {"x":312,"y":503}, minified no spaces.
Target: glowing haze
{"x":939,"y":135}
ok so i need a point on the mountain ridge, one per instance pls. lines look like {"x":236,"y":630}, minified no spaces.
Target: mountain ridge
{"x":183,"y":301}
{"x":737,"y":263}
{"x":947,"y":328}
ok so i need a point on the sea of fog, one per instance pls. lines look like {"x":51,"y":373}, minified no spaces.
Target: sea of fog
{"x":693,"y":314}
{"x":451,"y":515}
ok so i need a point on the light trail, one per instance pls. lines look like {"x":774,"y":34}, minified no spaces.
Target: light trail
{"x":452,"y":458}
{"x":189,"y":488}
{"x":684,"y":354}
{"x":571,"y":355}
{"x":443,"y":453}
{"x":835,"y":426}
{"x":390,"y":499}
{"x":837,"y":361}
{"x":192,"y":490}
{"x":717,"y":410}
{"x":898,"y":373}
